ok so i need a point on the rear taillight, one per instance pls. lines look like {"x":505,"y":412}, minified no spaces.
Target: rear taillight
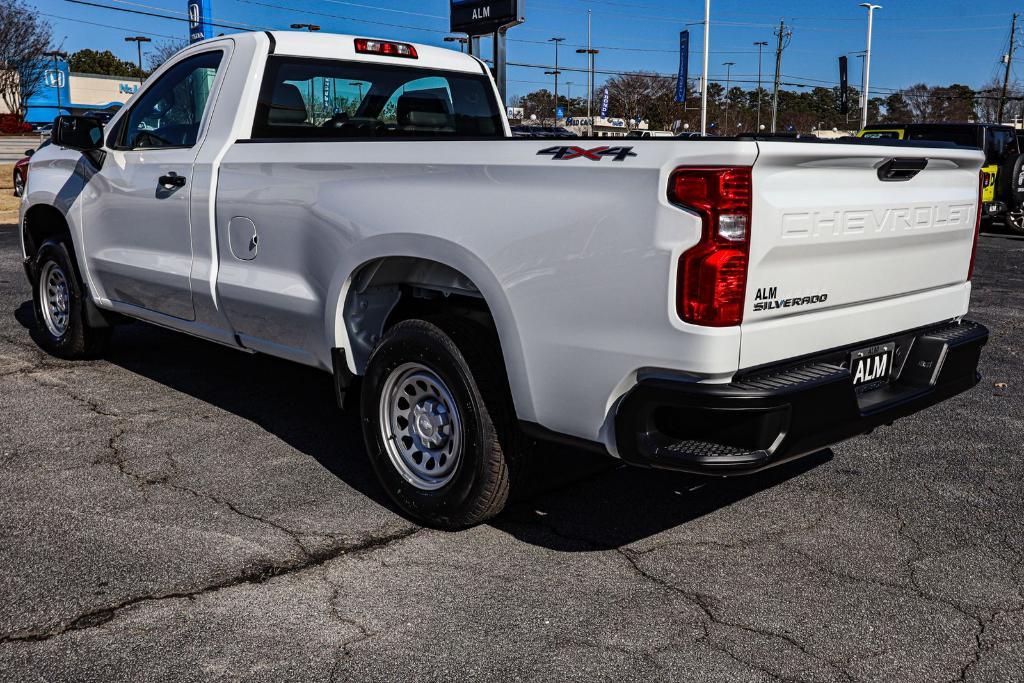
{"x":982,"y":184}
{"x":385,"y":48}
{"x":712,"y":279}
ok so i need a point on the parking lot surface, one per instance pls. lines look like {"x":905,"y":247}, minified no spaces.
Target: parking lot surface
{"x":181,"y":511}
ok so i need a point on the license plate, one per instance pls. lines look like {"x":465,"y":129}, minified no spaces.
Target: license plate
{"x":872,"y":367}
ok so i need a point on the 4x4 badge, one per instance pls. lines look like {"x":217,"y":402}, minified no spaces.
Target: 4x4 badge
{"x":595,"y":154}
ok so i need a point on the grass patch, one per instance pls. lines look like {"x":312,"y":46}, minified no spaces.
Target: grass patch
{"x":8,"y":202}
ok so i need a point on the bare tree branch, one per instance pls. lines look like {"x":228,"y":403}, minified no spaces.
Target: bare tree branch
{"x":24,"y":37}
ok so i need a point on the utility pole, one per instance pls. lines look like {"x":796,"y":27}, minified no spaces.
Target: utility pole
{"x":759,"y":44}
{"x":782,"y":35}
{"x":867,"y":64}
{"x":557,"y":42}
{"x":728,"y":81}
{"x":704,"y":77}
{"x":138,"y":40}
{"x":1008,"y":58}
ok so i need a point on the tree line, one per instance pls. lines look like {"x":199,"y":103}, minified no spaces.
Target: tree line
{"x":651,"y":97}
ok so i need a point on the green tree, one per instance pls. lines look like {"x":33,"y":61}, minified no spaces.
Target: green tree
{"x":104,"y":63}
{"x":896,"y":109}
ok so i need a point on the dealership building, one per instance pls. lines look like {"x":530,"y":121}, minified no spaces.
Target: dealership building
{"x":72,"y":93}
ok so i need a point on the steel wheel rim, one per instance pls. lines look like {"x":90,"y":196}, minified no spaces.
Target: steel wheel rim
{"x":421,"y":426}
{"x":55,"y":299}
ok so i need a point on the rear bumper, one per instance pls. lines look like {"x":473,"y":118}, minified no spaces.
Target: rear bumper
{"x":775,"y":414}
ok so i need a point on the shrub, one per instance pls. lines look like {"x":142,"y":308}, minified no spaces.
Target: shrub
{"x":10,"y":124}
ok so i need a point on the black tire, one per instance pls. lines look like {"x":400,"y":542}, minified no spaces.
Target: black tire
{"x":465,"y":358}
{"x":19,"y":183}
{"x":1015,"y":221}
{"x":78,"y":339}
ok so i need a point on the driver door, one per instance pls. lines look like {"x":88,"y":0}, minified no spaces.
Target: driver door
{"x":136,"y":214}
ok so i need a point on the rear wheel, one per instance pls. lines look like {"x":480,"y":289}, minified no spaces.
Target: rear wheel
{"x":438,"y":422}
{"x":59,"y":301}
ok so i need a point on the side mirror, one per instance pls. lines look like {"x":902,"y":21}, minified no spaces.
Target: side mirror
{"x":29,"y":152}
{"x":81,"y":133}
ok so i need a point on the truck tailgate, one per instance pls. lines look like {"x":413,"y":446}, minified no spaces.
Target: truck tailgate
{"x":836,"y":249}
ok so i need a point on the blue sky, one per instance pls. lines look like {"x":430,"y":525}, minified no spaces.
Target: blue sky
{"x":937,"y":42}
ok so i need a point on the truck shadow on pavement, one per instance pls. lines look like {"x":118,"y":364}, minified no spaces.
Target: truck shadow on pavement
{"x":571,"y":500}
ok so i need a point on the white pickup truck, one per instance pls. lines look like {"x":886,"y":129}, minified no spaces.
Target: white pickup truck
{"x":358,"y":205}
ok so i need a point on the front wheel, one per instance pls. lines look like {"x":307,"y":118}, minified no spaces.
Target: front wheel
{"x":438,"y":422}
{"x":59,"y":301}
{"x":19,"y":183}
{"x":1015,"y":220}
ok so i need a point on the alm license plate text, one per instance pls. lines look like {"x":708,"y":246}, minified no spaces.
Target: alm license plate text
{"x":872,"y":367}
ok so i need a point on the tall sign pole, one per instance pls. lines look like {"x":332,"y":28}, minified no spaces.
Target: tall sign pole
{"x":704,"y":88}
{"x":478,"y":18}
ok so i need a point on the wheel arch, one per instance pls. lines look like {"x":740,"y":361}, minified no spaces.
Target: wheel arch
{"x":40,"y":223}
{"x":370,"y":292}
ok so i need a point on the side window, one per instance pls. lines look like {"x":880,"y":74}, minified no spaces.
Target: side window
{"x":170,"y":113}
{"x":321,"y":98}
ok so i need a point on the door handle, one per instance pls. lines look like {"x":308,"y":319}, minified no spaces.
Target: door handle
{"x":172,"y":179}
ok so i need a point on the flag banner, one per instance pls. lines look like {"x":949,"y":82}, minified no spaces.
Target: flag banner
{"x":844,"y":87}
{"x":684,"y":65}
{"x":604,"y":104}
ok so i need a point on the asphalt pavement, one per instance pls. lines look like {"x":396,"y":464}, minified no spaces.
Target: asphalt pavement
{"x":180,"y":511}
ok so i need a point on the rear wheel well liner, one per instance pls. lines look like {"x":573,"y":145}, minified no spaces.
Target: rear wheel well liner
{"x":386,"y":290}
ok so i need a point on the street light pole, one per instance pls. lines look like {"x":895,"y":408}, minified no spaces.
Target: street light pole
{"x":704,"y":90}
{"x":728,"y":80}
{"x":760,"y":44}
{"x":557,"y":42}
{"x":138,"y":40}
{"x":866,"y":91}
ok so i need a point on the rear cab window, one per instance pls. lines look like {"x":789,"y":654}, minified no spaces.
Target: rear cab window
{"x":306,"y":98}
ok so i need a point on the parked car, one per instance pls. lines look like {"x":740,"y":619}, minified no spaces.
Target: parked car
{"x":710,"y":306}
{"x":1004,"y":164}
{"x":646,"y":134}
{"x":20,"y":173}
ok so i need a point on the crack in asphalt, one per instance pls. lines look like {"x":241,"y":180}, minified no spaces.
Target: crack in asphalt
{"x":255,"y":575}
{"x":709,"y":611}
{"x":345,"y":650}
{"x":702,"y":604}
{"x":304,"y":560}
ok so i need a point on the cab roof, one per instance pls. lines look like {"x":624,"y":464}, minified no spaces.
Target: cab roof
{"x":342,"y":46}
